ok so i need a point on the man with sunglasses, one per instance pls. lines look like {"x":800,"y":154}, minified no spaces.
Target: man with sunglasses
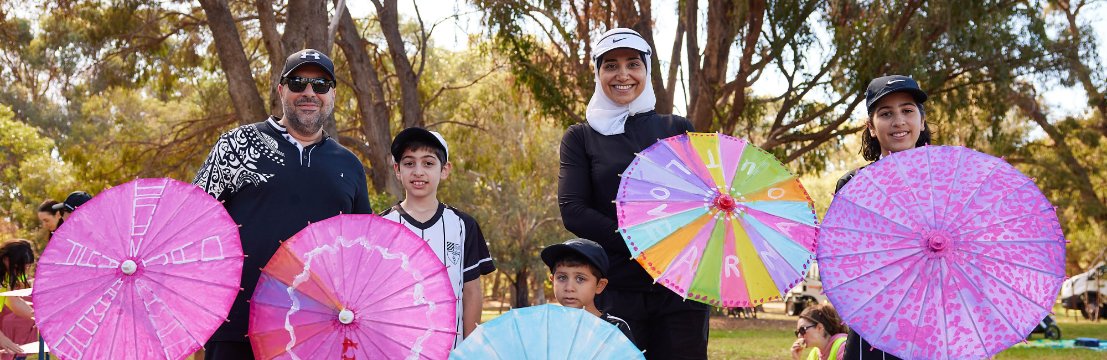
{"x":276,"y":176}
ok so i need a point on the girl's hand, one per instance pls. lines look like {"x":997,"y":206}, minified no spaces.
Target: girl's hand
{"x":7,"y":346}
{"x":797,"y":348}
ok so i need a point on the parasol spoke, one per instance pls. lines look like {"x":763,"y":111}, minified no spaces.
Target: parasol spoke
{"x":974,"y":287}
{"x":311,"y":343}
{"x":659,"y":211}
{"x":899,"y":304}
{"x":279,"y":306}
{"x":769,"y":252}
{"x":968,"y":199}
{"x":966,"y":220}
{"x":848,"y":201}
{"x":893,"y":199}
{"x":994,"y":224}
{"x":910,"y":182}
{"x":1011,"y":262}
{"x":389,"y":296}
{"x":176,"y":320}
{"x":1004,"y":284}
{"x":939,"y":216}
{"x":374,"y":309}
{"x":188,"y":300}
{"x":929,"y":264}
{"x":62,"y":303}
{"x":873,"y":297}
{"x":798,"y":211}
{"x":653,"y":174}
{"x":360,"y":293}
{"x":205,"y":282}
{"x":190,"y":226}
{"x":917,"y":253}
{"x":877,"y":251}
{"x":666,"y":158}
{"x":972,"y":320}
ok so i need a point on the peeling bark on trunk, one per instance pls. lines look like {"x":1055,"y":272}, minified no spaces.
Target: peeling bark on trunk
{"x":248,"y":105}
{"x":410,"y":100}
{"x":371,"y":105}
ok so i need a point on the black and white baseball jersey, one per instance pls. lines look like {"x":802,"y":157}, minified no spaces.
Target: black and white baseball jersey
{"x":457,"y":240}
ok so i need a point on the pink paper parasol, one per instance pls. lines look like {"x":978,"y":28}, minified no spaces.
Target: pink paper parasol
{"x":941,"y":252}
{"x":144,"y":270}
{"x":353,"y":287}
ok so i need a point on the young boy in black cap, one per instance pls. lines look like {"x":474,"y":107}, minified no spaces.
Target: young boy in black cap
{"x":422,"y":162}
{"x":578,"y":270}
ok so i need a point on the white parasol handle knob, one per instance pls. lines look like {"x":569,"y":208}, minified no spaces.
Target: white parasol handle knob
{"x":129,"y":267}
{"x":345,"y":316}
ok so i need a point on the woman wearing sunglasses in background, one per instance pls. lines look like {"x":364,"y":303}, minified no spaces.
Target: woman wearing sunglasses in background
{"x":820,"y":328}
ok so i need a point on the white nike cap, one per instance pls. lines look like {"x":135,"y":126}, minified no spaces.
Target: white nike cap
{"x":619,"y":38}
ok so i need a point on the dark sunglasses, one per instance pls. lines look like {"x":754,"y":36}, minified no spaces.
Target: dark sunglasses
{"x":803,"y":329}
{"x":299,"y":84}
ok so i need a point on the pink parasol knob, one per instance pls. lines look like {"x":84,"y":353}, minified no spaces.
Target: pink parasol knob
{"x":937,"y":243}
{"x":725,"y":203}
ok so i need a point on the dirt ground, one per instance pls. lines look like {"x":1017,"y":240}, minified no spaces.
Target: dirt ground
{"x":772,"y":317}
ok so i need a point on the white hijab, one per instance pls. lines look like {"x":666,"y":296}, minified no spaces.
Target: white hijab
{"x":604,"y":115}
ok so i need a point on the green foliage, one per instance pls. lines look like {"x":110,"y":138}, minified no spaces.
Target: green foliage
{"x":30,"y":172}
{"x":1087,"y":237}
{"x":505,"y":158}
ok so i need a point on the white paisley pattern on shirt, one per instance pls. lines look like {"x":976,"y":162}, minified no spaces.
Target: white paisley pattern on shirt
{"x":232,"y":162}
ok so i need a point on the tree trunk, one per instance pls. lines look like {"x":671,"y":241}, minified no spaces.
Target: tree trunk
{"x":267,"y":19}
{"x":371,"y":105}
{"x":520,"y":289}
{"x":755,"y":17}
{"x":722,"y":29}
{"x":248,"y":105}
{"x":410,"y":100}
{"x":1081,"y":71}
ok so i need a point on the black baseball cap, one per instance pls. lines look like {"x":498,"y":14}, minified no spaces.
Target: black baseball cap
{"x":587,"y":248}
{"x":75,"y":199}
{"x":882,"y":86}
{"x":308,"y":56}
{"x":425,"y":136}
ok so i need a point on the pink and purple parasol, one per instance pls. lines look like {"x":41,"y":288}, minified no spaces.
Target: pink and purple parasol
{"x":941,"y":252}
{"x":353,"y":287}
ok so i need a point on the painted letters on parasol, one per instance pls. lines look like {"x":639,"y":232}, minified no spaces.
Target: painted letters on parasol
{"x":137,"y":255}
{"x":716,"y":220}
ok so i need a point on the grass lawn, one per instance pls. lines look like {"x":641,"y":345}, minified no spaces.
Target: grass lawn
{"x":770,"y":335}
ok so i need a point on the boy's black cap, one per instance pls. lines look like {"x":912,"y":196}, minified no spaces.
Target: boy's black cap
{"x":587,"y":248}
{"x":425,"y":136}
{"x":882,"y":86}
{"x":308,"y":56}
{"x":75,"y":199}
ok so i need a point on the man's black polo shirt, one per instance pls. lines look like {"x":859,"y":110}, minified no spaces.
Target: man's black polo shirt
{"x":273,"y":188}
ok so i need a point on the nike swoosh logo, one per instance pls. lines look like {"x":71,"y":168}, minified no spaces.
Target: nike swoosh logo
{"x":894,"y":81}
{"x":621,"y":39}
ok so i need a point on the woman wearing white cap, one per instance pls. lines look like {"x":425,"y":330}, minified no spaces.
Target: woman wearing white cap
{"x":622,"y":122}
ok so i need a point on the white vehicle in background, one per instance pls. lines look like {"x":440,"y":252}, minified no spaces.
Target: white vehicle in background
{"x":807,"y":293}
{"x":1089,"y":288}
